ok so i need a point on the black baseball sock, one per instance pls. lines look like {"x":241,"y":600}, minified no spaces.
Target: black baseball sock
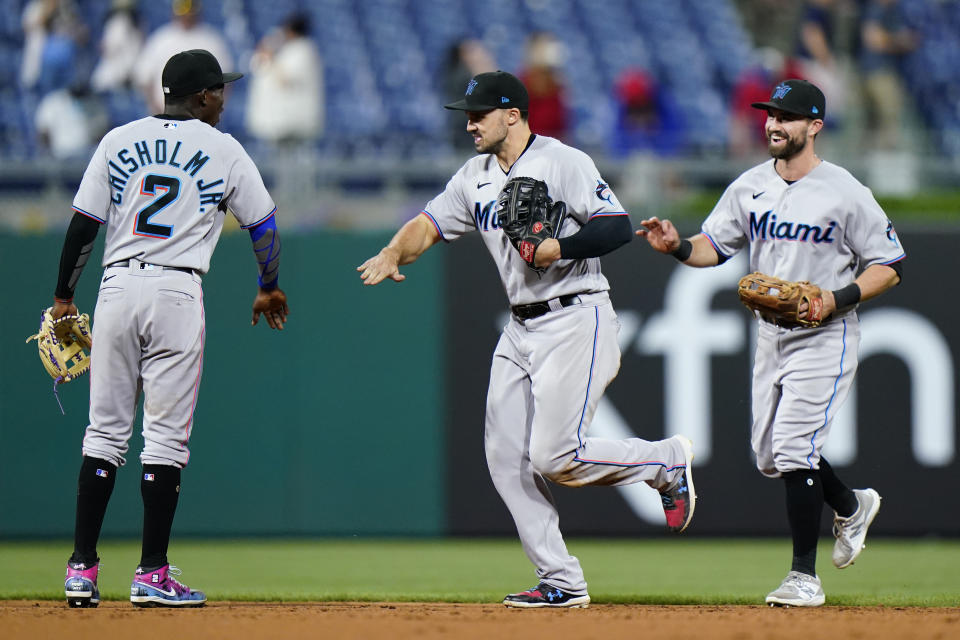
{"x":160,"y":488}
{"x":94,"y":487}
{"x":804,"y":508}
{"x":837,"y":495}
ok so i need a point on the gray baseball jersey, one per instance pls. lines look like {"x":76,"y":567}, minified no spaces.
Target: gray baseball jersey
{"x":162,"y":186}
{"x":825,"y":228}
{"x":549,"y":372}
{"x":470,"y":201}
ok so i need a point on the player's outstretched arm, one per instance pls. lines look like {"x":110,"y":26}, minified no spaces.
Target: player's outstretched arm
{"x":409,"y":243}
{"x":664,"y":237}
{"x":272,"y":303}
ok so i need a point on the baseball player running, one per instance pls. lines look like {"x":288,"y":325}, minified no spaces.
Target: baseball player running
{"x":559,"y":350}
{"x":161,"y":186}
{"x":803,"y":219}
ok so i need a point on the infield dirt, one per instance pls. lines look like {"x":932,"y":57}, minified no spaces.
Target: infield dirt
{"x":428,"y":621}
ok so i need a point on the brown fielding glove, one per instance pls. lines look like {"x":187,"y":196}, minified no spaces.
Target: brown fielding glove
{"x":61,"y":344}
{"x":778,"y":301}
{"x":528,"y":216}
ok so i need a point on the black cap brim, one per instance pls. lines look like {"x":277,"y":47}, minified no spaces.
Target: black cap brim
{"x":230,"y":77}
{"x":780,"y":107}
{"x":461,"y":105}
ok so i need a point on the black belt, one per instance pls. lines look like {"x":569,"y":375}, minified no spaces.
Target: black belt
{"x":126,"y":263}
{"x":537,"y":309}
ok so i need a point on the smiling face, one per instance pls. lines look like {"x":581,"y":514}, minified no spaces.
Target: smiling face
{"x":788,"y":134}
{"x":489,"y":129}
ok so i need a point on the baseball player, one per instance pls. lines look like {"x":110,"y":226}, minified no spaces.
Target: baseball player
{"x":161,"y":185}
{"x":802,"y":218}
{"x":559,"y":350}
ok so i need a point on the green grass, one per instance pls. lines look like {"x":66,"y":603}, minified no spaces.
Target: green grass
{"x":693,"y":571}
{"x":933,"y":207}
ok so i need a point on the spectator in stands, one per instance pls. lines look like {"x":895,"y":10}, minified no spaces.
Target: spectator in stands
{"x":647,"y":119}
{"x":816,"y":55}
{"x":53,"y":40}
{"x":285,"y":103}
{"x":767,"y":69}
{"x":541,"y":75}
{"x":465,"y":59}
{"x":70,"y":121}
{"x":185,"y":31}
{"x":885,"y":38}
{"x":120,"y":46}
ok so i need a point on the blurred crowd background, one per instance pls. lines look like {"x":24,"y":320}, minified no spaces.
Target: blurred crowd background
{"x":341,"y":103}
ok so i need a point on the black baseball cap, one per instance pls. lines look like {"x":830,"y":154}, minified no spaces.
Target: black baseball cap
{"x":493,"y":90}
{"x":796,"y":96}
{"x":193,"y":71}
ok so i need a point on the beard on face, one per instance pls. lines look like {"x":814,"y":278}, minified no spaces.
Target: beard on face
{"x":493,"y":140}
{"x":791,"y":147}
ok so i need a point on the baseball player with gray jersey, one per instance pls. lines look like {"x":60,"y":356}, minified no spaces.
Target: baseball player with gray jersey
{"x":803,"y":219}
{"x":559,"y":349}
{"x":162,"y":186}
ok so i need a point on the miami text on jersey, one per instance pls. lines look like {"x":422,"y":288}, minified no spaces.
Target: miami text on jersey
{"x":767,"y":227}
{"x":486,"y":217}
{"x":160,"y":152}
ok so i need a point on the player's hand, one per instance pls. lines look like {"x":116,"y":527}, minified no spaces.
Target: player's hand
{"x":829,"y":305}
{"x":273,"y":305}
{"x":547,"y":253}
{"x":61,"y":309}
{"x":382,"y":266}
{"x":661,"y":234}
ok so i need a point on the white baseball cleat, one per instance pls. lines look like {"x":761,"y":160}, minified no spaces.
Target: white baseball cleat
{"x":797,"y":590}
{"x":852,"y":531}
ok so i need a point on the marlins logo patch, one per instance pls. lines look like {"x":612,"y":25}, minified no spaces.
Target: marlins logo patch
{"x":781,"y":91}
{"x":471,"y":86}
{"x":603,"y":192}
{"x":892,"y":233}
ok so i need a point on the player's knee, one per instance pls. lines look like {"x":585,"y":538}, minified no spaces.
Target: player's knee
{"x":550,"y":464}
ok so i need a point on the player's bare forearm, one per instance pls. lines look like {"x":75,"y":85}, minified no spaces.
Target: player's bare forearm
{"x":664,"y":237}
{"x":408,"y":244}
{"x":872,"y":282}
{"x":272,"y":303}
{"x":876,"y":279}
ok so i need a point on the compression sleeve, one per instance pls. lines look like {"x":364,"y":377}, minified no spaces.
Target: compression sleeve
{"x":601,"y":235}
{"x":77,"y":246}
{"x":266,"y":246}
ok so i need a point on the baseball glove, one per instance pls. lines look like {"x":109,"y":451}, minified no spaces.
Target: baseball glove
{"x":778,"y":301}
{"x":528,"y":216}
{"x":61,"y":344}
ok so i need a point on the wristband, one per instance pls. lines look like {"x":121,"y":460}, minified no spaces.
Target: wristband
{"x":683,"y":251}
{"x":847,"y":296}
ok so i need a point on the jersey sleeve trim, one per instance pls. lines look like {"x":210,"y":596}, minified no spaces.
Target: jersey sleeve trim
{"x":260,"y":221}
{"x":608,"y":214}
{"x":723,"y":256}
{"x":89,"y":215}
{"x":437,"y":226}
{"x":897,"y":259}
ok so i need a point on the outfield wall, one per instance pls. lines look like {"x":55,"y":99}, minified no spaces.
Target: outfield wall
{"x":365,"y":415}
{"x":332,"y":426}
